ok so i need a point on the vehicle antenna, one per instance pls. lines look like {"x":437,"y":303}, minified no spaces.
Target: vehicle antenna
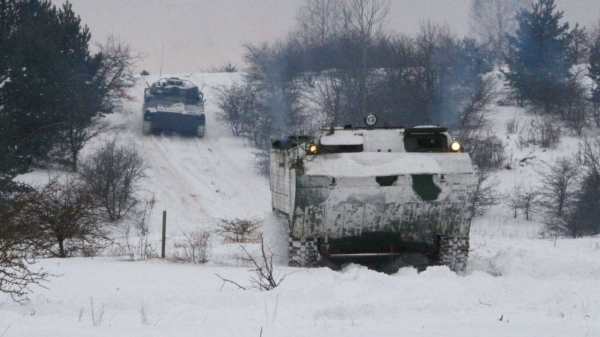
{"x":161,"y":59}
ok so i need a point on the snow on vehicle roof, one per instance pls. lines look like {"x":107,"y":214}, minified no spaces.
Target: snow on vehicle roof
{"x":174,"y":82}
{"x":177,"y":108}
{"x":374,"y":164}
{"x":342,"y":138}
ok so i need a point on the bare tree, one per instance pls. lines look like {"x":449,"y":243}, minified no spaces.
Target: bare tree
{"x":491,"y":20}
{"x":17,"y":238}
{"x":238,"y":230}
{"x":524,"y":198}
{"x":582,"y":218}
{"x":485,"y":148}
{"x":238,"y":105}
{"x":559,"y":184}
{"x":365,"y":20}
{"x":319,"y":20}
{"x":73,"y":139}
{"x":591,"y":154}
{"x":486,"y":192}
{"x":434,"y":47}
{"x":265,"y":277}
{"x":112,"y":175}
{"x":574,"y":108}
{"x":66,"y":218}
{"x":196,"y":245}
{"x":474,"y":115}
{"x":328,"y":95}
{"x":117,"y":70}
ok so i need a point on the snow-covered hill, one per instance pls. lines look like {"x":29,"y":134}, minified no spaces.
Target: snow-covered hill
{"x":198,"y":180}
{"x":516,"y":284}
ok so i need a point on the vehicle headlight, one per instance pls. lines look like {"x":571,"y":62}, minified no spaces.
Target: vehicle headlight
{"x":313,"y":149}
{"x":455,"y":146}
{"x":370,"y":120}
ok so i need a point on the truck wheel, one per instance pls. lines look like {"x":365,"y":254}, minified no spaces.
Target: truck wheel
{"x":303,"y":253}
{"x":146,"y":127}
{"x":454,"y":252}
{"x":200,"y":131}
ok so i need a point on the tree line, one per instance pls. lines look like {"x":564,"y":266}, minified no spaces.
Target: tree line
{"x":52,"y":87}
{"x":340,"y":63}
{"x":341,"y":59}
{"x":53,"y":93}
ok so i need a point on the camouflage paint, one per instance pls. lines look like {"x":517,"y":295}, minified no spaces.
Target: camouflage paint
{"x":372,"y":211}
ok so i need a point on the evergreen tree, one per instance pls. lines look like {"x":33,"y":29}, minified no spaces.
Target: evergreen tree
{"x":584,"y":219}
{"x":538,"y":63}
{"x":50,"y":88}
{"x":578,"y":48}
{"x":594,"y":71}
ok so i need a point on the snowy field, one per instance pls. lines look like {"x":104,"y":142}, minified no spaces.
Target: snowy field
{"x":517,"y":283}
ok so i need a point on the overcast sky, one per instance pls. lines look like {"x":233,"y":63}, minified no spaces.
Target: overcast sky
{"x":202,"y":34}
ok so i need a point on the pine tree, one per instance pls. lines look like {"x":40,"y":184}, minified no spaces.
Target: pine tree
{"x":584,"y":219}
{"x":578,"y":48}
{"x":594,"y":71}
{"x":538,"y":63}
{"x":50,"y":90}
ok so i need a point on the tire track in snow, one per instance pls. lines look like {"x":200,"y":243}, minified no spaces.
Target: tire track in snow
{"x":200,"y":180}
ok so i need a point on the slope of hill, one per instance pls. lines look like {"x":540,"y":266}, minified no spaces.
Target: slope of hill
{"x":517,"y":284}
{"x":200,"y":180}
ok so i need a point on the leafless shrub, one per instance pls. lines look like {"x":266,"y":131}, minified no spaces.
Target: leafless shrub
{"x":143,"y":315}
{"x":96,"y":316}
{"x":556,"y":226}
{"x":265,"y":277}
{"x":111,"y":175}
{"x":576,"y":108}
{"x":583,"y":218}
{"x":225,"y":68}
{"x":238,"y":230}
{"x":523,"y":199}
{"x":559,"y":184}
{"x":549,"y":134}
{"x":142,"y":227}
{"x":526,"y":138}
{"x":195,"y":248}
{"x":486,"y":150}
{"x":261,"y":162}
{"x":474,"y":114}
{"x":66,"y":218}
{"x":486,"y":193}
{"x":512,"y":126}
{"x":117,"y":70}
{"x":235,"y":102}
{"x":545,"y":133}
{"x":17,"y":240}
{"x":240,"y":110}
{"x":492,"y":20}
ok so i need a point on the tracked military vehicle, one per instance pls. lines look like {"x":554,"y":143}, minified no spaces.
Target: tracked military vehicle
{"x":174,"y":105}
{"x":374,"y":192}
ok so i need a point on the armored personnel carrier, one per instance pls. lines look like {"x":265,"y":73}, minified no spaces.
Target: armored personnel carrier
{"x":174,"y":105}
{"x":374,"y":192}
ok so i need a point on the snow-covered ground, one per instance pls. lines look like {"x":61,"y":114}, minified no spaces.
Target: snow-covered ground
{"x":517,"y":284}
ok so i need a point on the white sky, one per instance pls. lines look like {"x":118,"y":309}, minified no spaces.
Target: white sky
{"x":201,"y":34}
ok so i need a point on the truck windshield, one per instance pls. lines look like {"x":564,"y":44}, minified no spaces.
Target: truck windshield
{"x":425,"y":143}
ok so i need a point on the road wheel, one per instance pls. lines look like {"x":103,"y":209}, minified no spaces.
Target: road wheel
{"x":303,"y":252}
{"x":454,"y":251}
{"x":146,"y":127}
{"x":200,"y":131}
